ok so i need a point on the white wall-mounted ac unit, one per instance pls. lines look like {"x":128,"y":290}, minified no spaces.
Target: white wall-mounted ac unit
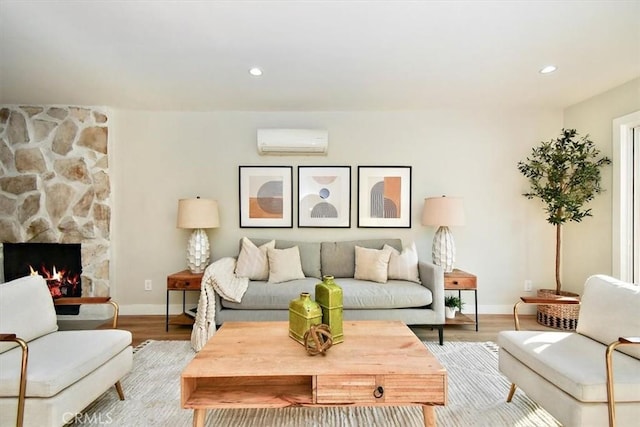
{"x":293,"y":141}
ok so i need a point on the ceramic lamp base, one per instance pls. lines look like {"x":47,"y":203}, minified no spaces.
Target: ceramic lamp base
{"x":198,"y":251}
{"x":443,"y":250}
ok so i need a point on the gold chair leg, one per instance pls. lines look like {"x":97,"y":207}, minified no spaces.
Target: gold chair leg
{"x":116,"y":311}
{"x":516,"y":321}
{"x":22,"y":392}
{"x":512,"y":391}
{"x":611,"y":403}
{"x":119,"y":390}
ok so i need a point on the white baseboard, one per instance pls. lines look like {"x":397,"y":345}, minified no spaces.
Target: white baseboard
{"x":501,"y":309}
{"x":151,"y":309}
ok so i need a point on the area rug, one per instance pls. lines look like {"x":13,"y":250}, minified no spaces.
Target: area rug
{"x":477,"y":393}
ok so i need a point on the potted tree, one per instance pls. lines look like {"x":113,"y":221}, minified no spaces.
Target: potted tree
{"x":451,"y":304}
{"x":564,"y":173}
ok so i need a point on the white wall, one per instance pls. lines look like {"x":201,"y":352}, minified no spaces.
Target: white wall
{"x":159,"y":157}
{"x":587,"y":246}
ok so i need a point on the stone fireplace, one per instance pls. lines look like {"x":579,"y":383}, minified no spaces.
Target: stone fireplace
{"x":54,"y":183}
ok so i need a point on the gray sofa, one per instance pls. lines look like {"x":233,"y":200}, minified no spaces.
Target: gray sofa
{"x":413,"y":303}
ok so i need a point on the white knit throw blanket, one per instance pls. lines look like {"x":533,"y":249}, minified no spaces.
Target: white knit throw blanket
{"x":218,"y":277}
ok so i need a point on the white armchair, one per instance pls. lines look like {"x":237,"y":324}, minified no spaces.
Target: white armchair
{"x":48,"y":376}
{"x":590,"y":377}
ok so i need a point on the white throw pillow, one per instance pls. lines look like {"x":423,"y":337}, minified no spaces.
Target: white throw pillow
{"x":372,"y":264}
{"x":253,"y":261}
{"x":284,"y":265}
{"x":404,"y":266}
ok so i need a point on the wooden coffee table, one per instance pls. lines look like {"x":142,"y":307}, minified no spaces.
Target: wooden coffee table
{"x":257,"y":365}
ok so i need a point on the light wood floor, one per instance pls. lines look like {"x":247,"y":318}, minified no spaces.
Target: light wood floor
{"x":152,"y":327}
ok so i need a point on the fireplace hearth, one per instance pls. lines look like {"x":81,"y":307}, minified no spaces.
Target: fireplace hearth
{"x":60,"y":264}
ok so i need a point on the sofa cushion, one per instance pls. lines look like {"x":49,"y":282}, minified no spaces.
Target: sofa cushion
{"x":608,"y":310}
{"x":309,"y":254}
{"x":361,"y":294}
{"x":262,"y":295}
{"x":59,"y":359}
{"x":574,"y":363}
{"x":338,"y":259}
{"x":356,"y":294}
{"x":252,"y":260}
{"x":404,"y":266}
{"x":284,"y":265}
{"x":372,"y":264}
{"x":26,"y":309}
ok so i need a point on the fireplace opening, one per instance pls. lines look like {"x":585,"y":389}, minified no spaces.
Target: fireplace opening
{"x":60,"y":264}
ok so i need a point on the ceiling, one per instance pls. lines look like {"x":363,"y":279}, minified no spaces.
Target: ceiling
{"x":316,"y":55}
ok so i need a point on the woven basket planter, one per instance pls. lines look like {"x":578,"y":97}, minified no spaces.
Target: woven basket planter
{"x":558,"y":316}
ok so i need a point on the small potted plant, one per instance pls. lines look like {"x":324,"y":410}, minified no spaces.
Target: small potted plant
{"x":451,"y":304}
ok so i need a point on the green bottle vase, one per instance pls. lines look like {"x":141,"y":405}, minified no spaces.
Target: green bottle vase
{"x":329,"y":296}
{"x":303,"y":313}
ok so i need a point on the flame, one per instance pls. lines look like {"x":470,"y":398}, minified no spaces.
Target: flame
{"x":60,"y":283}
{"x":56,"y":275}
{"x":32,"y":272}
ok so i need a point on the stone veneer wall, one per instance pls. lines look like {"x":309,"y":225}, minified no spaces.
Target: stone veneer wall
{"x":54,"y":183}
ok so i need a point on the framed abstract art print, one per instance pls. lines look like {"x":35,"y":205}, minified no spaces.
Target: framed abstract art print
{"x":384,"y":196}
{"x":324,"y":196}
{"x":266,"y":196}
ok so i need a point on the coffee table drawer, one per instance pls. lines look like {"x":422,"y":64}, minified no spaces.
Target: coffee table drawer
{"x":345,"y":389}
{"x":372,"y":389}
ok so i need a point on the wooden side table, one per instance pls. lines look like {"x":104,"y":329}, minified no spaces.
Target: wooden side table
{"x":182,"y":281}
{"x":459,"y":280}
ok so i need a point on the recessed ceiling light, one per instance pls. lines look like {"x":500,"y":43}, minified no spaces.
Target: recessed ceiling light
{"x":548,"y":69}
{"x":255,"y":71}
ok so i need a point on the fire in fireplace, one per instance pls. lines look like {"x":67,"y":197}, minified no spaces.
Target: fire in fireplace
{"x":61,"y":283}
{"x":59,"y":264}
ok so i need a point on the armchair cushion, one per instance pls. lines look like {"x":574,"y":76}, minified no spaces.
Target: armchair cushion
{"x":574,"y":363}
{"x":607,"y":302}
{"x":38,"y":309}
{"x":49,"y":369}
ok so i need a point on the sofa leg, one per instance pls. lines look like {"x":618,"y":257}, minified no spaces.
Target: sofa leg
{"x":119,"y":390}
{"x":512,"y":391}
{"x":441,"y":334}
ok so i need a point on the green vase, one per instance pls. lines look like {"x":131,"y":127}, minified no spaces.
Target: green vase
{"x":329,"y":296}
{"x":303,"y":313}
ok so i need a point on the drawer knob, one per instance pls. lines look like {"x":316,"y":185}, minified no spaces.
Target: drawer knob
{"x":455,"y":282}
{"x":378,"y":392}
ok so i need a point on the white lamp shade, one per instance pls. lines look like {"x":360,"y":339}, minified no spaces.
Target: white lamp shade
{"x":443,"y":211}
{"x":198,"y":213}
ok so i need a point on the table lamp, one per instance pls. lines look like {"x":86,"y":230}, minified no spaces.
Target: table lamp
{"x":198,"y":214}
{"x":443,"y":212}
